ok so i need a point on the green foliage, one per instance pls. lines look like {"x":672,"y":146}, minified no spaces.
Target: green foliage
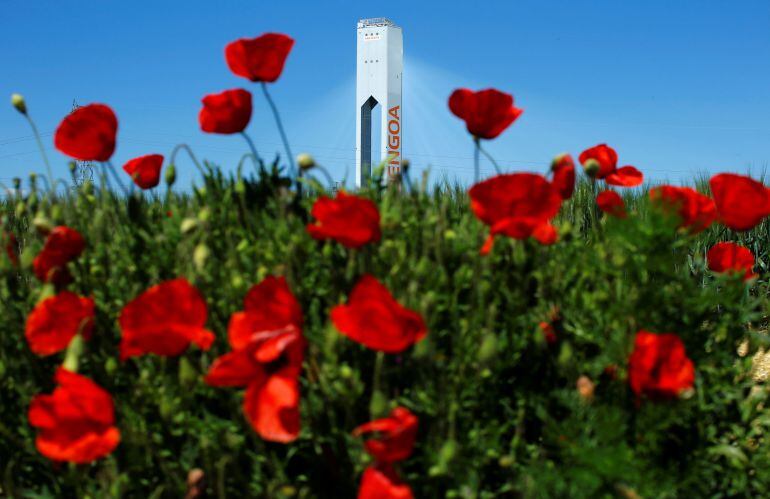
{"x":499,"y":412}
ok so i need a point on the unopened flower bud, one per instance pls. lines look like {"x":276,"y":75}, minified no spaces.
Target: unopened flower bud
{"x":16,"y":183}
{"x":405,"y":164}
{"x":188,"y":225}
{"x":42,"y":224}
{"x":187,"y":374}
{"x":17,"y":101}
{"x":591,"y":167}
{"x":200,"y":255}
{"x":488,"y":348}
{"x":585,"y":388}
{"x":204,"y":214}
{"x":72,"y":166}
{"x":305,"y":161}
{"x":170,"y":175}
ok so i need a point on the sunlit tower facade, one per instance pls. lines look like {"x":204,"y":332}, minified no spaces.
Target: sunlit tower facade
{"x":379,"y":73}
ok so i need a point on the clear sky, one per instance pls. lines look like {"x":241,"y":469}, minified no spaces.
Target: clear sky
{"x":676,"y":87}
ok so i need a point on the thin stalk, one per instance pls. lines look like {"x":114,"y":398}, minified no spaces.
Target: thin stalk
{"x":244,"y":157}
{"x":489,"y":157}
{"x":49,"y":172}
{"x":190,"y":153}
{"x":280,"y":129}
{"x":254,"y":152}
{"x":326,"y":174}
{"x":109,"y":167}
{"x":476,"y":150}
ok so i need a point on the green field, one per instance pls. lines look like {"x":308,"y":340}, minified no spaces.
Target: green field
{"x":499,"y":411}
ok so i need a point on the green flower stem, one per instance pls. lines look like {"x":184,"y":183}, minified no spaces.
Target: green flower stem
{"x":258,"y":160}
{"x":49,"y":172}
{"x":111,"y":169}
{"x":190,"y":153}
{"x":278,"y":122}
{"x":489,"y":157}
{"x":476,"y":149}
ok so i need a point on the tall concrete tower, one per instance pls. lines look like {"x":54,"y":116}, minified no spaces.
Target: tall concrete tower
{"x":379,"y":68}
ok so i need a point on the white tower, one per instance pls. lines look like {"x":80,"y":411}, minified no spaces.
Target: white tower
{"x":379,"y":67}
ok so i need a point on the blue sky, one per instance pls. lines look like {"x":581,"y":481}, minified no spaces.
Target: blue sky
{"x":676,"y":87}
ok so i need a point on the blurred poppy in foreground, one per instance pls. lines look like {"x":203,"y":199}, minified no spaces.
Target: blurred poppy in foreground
{"x":266,"y":357}
{"x":76,"y":421}
{"x":56,"y":320}
{"x":164,"y":320}
{"x":352,"y":221}
{"x":259,"y":59}
{"x":563,"y":168}
{"x":145,"y":170}
{"x":741,"y":201}
{"x":62,"y":245}
{"x":88,"y":133}
{"x":487,"y":113}
{"x":375,"y":319}
{"x":695,"y":211}
{"x":659,"y":367}
{"x":394,"y":436}
{"x":382,"y":482}
{"x":516,"y":205}
{"x":226,"y":112}
{"x":611,"y":203}
{"x":601,"y":162}
{"x":727,"y":257}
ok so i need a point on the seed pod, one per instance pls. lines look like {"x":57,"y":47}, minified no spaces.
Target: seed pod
{"x":170,"y":175}
{"x":305,"y":161}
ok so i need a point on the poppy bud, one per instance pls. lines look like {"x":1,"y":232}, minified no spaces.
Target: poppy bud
{"x":488,"y":348}
{"x":72,"y":167}
{"x":42,"y":224}
{"x":18,"y":102}
{"x":240,"y":187}
{"x":378,"y":404}
{"x":16,"y":183}
{"x":200,"y":255}
{"x":447,"y":453}
{"x":346,"y":372}
{"x":188,"y":225}
{"x":585,"y":388}
{"x":204,"y":215}
{"x":166,"y":408}
{"x":33,"y":180}
{"x":237,"y":281}
{"x":591,"y":167}
{"x":110,"y":365}
{"x":170,"y":175}
{"x":72,"y":357}
{"x":187,"y":374}
{"x":305,"y":161}
{"x":20,"y":209}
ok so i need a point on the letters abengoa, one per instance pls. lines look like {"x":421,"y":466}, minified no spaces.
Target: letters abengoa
{"x":379,"y":70}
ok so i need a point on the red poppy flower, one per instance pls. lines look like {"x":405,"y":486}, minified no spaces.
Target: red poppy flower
{"x":563,"y":168}
{"x":350,"y":220}
{"x":548,"y":332}
{"x":695,"y":210}
{"x":145,"y":170}
{"x":731,"y":258}
{"x":56,"y":320}
{"x":88,"y":133}
{"x":382,"y":482}
{"x":268,"y":306}
{"x":659,"y":366}
{"x":226,"y":112}
{"x":487,"y":113}
{"x":395,"y":436}
{"x":515,"y":205}
{"x":261,"y":58}
{"x":268,"y":351}
{"x":545,"y":234}
{"x":602,"y":157}
{"x":375,"y":319}
{"x":61,"y":246}
{"x":164,"y":320}
{"x":75,"y":421}
{"x":741,"y":202}
{"x":268,"y":367}
{"x":611,"y":203}
{"x":601,"y":162}
{"x":626,"y":176}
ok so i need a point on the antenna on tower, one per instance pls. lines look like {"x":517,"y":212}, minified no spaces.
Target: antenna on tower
{"x":84,"y":170}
